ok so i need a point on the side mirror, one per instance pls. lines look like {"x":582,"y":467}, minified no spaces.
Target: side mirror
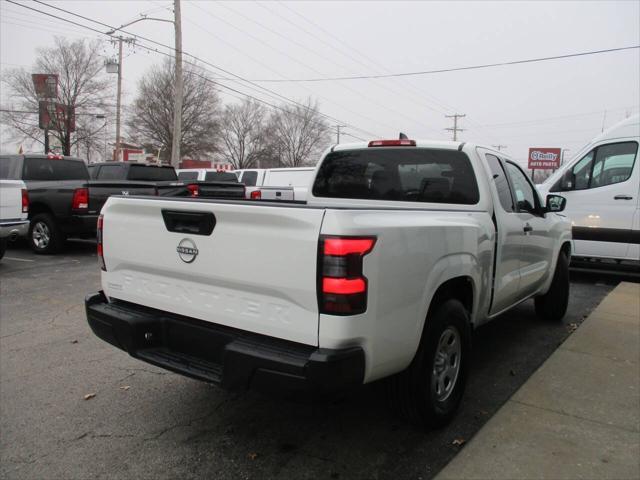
{"x":555,"y":203}
{"x":568,"y":181}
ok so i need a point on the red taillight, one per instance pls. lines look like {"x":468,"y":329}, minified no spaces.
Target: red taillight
{"x":392,"y":143}
{"x":25,"y":201}
{"x":347,"y":246}
{"x":193,"y":189}
{"x":100,"y":251}
{"x":255,"y":195}
{"x":342,"y":285}
{"x":80,"y":199}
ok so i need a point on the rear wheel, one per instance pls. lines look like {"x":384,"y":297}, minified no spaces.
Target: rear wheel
{"x":429,"y":392}
{"x":553,"y":304}
{"x":44,"y":235}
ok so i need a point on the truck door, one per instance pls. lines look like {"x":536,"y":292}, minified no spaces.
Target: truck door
{"x":509,"y":232}
{"x":536,"y":255}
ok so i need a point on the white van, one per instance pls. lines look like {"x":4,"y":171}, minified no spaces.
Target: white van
{"x":602,"y":188}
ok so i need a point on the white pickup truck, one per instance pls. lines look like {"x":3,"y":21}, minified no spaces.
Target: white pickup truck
{"x":401,"y":250}
{"x":14,"y":211}
{"x":284,"y":184}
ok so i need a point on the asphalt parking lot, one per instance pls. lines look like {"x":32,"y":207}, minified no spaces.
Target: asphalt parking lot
{"x":144,"y":422}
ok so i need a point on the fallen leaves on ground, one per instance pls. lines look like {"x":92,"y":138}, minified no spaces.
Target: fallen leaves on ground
{"x":252,"y":456}
{"x":572,"y":327}
{"x":89,"y":396}
{"x":458,"y":442}
{"x":125,"y":387}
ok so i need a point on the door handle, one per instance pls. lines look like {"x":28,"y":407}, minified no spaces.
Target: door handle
{"x":527,"y":228}
{"x":623,"y":197}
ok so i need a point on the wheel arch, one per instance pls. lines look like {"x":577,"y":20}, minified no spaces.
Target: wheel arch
{"x":37,"y":208}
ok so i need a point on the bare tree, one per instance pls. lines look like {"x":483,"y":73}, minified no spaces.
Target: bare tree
{"x":150,"y":120}
{"x":81,"y":86}
{"x":243,"y":130}
{"x":298,"y":134}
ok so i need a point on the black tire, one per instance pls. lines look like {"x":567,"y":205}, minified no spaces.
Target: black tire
{"x":45,"y":237}
{"x":553,"y":304}
{"x":3,"y":247}
{"x":413,"y":394}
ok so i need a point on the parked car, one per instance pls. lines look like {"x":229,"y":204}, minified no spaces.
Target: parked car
{"x":602,"y":188}
{"x":63,"y":201}
{"x":402,"y":249}
{"x":14,"y":209}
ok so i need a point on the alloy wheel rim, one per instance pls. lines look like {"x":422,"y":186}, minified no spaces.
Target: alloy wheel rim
{"x":41,"y":235}
{"x":446,"y":364}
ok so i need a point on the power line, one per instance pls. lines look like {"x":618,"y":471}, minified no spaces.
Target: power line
{"x":453,"y":69}
{"x":245,"y":32}
{"x":171,"y":49}
{"x":232,"y":46}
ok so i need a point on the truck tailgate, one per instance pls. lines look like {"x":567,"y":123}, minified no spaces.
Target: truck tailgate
{"x":255,"y":271}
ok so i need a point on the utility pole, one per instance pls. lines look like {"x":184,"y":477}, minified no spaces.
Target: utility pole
{"x":177,"y":108}
{"x":338,"y":127}
{"x":499,"y":147}
{"x":604,"y":119}
{"x":455,"y":128}
{"x":119,"y":100}
{"x":132,"y":40}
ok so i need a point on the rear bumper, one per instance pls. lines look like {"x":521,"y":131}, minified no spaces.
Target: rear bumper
{"x":231,"y":358}
{"x":14,"y":228}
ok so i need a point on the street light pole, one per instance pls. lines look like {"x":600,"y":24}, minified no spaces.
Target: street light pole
{"x":119,"y":101}
{"x":178,"y":82}
{"x":177,"y":108}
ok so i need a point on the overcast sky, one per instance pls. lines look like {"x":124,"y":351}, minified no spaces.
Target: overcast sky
{"x":558,"y":103}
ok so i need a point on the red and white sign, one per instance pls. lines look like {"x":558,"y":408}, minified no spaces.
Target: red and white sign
{"x":45,"y":84}
{"x":55,"y":116}
{"x":544,"y":158}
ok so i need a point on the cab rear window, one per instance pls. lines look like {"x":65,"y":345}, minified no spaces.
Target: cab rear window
{"x":220,"y":177}
{"x":151,"y":173}
{"x":52,"y":169}
{"x":399,"y":174}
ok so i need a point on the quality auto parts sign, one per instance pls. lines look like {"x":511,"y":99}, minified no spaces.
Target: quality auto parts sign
{"x":544,"y":158}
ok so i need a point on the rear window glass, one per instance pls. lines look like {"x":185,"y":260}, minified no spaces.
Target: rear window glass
{"x":152,"y":174}
{"x":220,"y":177}
{"x":250,"y":178}
{"x":187,"y":175}
{"x":48,"y":169}
{"x":110,"y":172}
{"x":400,"y":174}
{"x":9,"y":168}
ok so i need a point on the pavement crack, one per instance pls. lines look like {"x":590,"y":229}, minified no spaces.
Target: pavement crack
{"x":577,"y":417}
{"x":187,"y":424}
{"x":13,"y":334}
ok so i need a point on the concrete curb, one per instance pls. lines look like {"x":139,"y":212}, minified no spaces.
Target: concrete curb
{"x":578,"y":416}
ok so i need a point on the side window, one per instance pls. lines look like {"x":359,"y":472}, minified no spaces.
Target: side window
{"x":249,"y":178}
{"x":613,"y":163}
{"x":582,"y":172}
{"x":525,"y":196}
{"x":502,"y":185}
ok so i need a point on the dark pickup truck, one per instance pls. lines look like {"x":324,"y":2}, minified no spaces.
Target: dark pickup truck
{"x":64,"y":202}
